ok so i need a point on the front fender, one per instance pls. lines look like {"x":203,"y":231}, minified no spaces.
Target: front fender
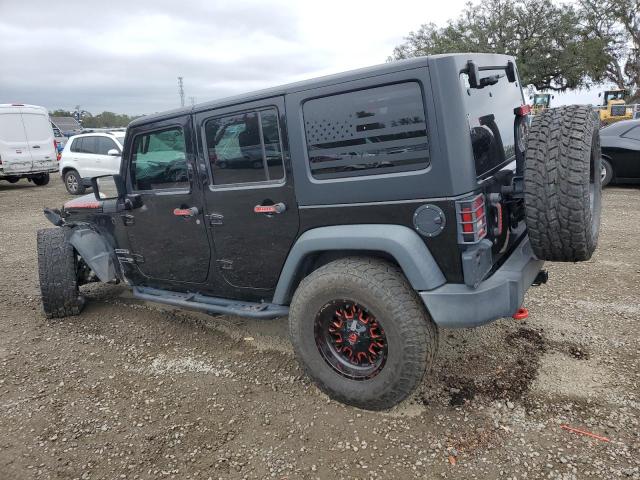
{"x":402,"y":243}
{"x":95,"y":251}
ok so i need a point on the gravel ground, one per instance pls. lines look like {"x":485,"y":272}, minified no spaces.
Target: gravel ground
{"x":134,"y":390}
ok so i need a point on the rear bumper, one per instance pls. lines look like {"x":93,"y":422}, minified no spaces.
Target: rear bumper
{"x":456,"y":305}
{"x":27,"y":173}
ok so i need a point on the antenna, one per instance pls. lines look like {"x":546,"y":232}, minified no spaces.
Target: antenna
{"x":181,"y":91}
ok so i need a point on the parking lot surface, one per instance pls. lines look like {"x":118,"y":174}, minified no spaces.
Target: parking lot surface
{"x":133,"y":390}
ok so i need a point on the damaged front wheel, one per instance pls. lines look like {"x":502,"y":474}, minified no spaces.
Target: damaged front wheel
{"x":58,"y":272}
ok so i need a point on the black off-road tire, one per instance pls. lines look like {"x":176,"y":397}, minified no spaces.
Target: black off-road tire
{"x":41,"y":179}
{"x":562,"y":183}
{"x":384,"y":291}
{"x":57,"y":271}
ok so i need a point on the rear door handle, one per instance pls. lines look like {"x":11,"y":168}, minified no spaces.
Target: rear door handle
{"x":270,"y":209}
{"x":185,"y":212}
{"x":36,"y":146}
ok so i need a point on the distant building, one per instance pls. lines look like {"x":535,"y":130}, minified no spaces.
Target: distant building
{"x":67,"y":125}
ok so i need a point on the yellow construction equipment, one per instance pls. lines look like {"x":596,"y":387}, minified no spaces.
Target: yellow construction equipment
{"x":614,"y":106}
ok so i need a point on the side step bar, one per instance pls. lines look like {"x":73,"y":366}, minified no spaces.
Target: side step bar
{"x":222,"y":306}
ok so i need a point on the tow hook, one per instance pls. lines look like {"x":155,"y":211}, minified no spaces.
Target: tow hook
{"x":521,"y":314}
{"x":542,"y":277}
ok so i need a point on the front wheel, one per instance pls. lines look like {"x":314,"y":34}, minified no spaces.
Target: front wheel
{"x":361,"y":332}
{"x":58,"y":272}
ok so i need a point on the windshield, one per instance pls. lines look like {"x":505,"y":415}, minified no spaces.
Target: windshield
{"x":540,"y":100}
{"x":619,"y":95}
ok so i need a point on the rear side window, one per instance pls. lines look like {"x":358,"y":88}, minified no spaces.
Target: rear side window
{"x":245,"y":147}
{"x":367,"y":132}
{"x":490,"y":113}
{"x":159,"y":161}
{"x":104,"y":144}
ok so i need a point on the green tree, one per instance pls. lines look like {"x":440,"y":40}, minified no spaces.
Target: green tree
{"x":618,"y":23}
{"x":550,"y":43}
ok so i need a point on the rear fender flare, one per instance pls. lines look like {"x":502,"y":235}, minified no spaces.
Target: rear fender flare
{"x":95,"y":251}
{"x":402,"y":243}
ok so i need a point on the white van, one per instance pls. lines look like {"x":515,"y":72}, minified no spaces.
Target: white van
{"x":27,"y":145}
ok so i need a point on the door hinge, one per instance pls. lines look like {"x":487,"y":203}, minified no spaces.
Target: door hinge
{"x":225,"y":264}
{"x":215,"y":218}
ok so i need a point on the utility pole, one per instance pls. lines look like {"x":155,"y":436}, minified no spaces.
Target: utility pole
{"x":192,"y":100}
{"x":181,"y":91}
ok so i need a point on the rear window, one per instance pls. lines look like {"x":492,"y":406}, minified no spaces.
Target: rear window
{"x":38,"y":127}
{"x":11,"y":128}
{"x":491,"y":120}
{"x":367,"y":132}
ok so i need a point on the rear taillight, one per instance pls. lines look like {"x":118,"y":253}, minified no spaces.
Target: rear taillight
{"x":472,"y":219}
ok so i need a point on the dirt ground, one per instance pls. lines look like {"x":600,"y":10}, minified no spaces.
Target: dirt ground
{"x":132,"y":390}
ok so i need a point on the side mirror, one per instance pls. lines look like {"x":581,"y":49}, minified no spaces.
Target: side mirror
{"x":114,"y":152}
{"x":108,"y":187}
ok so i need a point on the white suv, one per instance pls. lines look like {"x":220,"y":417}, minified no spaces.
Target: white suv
{"x":90,"y":155}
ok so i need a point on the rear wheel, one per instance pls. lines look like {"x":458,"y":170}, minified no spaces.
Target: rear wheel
{"x":41,"y":179}
{"x":73,"y":182}
{"x":562,"y":181}
{"x":57,"y":269}
{"x":12,"y":179}
{"x":361,"y":332}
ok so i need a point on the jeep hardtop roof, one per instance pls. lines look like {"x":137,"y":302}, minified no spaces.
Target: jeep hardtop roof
{"x":390,"y":67}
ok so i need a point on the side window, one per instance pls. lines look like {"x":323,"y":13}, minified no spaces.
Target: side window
{"x":245,"y":147}
{"x":89,"y":145}
{"x":367,"y":132}
{"x":104,"y":144}
{"x":159,"y":160}
{"x":76,"y":145}
{"x":633,"y":134}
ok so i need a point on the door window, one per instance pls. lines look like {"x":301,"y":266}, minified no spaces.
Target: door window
{"x":159,"y":161}
{"x":84,"y":145}
{"x":104,"y":144}
{"x":245,"y":147}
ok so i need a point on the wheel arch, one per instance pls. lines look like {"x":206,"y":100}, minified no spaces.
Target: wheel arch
{"x":95,"y":251}
{"x":394,"y":243}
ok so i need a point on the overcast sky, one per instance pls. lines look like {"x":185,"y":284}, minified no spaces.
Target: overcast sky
{"x":125,"y":56}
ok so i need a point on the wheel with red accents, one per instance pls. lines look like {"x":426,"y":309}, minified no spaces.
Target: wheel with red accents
{"x":362,"y":333}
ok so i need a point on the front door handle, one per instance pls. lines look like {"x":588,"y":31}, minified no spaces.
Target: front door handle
{"x":270,"y":209}
{"x":185,"y":212}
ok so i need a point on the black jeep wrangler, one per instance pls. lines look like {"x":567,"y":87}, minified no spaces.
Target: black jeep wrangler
{"x":372,"y":207}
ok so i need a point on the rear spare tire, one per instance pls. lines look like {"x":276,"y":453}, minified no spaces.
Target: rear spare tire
{"x":562,"y":186}
{"x":57,"y":262}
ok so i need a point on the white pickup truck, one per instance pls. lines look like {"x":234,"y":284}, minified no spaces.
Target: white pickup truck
{"x":27,"y":145}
